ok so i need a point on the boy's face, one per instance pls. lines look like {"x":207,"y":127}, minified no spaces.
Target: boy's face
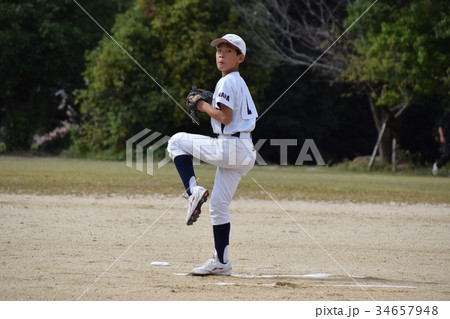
{"x":227,"y":59}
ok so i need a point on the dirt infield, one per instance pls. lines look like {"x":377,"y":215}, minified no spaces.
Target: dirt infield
{"x":102,"y":248}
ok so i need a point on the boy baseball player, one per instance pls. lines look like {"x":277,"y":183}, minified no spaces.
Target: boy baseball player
{"x":233,"y":115}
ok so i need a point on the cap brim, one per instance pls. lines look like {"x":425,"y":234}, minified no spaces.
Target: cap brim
{"x":216,"y":42}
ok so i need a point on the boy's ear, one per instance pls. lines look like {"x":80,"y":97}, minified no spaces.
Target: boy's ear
{"x":241,"y":58}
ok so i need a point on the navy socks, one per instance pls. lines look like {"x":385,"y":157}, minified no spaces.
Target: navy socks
{"x":185,"y":168}
{"x":221,"y":241}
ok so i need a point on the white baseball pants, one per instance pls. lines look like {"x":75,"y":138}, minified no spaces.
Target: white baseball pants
{"x":233,"y":156}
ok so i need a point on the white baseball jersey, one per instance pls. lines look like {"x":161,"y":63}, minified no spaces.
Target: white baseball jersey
{"x":233,"y":156}
{"x":232,"y":91}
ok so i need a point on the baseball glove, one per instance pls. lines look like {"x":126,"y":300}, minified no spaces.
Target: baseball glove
{"x":192,"y":99}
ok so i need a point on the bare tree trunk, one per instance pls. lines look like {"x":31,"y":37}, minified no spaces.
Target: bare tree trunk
{"x":377,"y":145}
{"x":386,"y":143}
{"x":385,"y":120}
{"x":394,"y":153}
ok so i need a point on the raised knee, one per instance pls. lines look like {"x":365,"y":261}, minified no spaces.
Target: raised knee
{"x":173,"y":146}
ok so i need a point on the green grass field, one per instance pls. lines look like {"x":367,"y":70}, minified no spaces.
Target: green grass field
{"x":55,"y":175}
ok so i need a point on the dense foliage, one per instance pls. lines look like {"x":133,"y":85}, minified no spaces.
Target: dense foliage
{"x":171,"y":43}
{"x":400,"y":60}
{"x":42,"y":52}
{"x":54,"y":58}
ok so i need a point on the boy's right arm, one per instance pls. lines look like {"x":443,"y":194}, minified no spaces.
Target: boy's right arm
{"x":224,"y":115}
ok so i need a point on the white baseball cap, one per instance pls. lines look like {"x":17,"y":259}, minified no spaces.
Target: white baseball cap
{"x":232,"y":39}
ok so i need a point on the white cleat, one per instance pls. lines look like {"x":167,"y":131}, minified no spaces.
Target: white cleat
{"x":195,"y":202}
{"x":213,"y":267}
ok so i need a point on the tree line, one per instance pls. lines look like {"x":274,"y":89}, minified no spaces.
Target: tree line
{"x":67,"y":86}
